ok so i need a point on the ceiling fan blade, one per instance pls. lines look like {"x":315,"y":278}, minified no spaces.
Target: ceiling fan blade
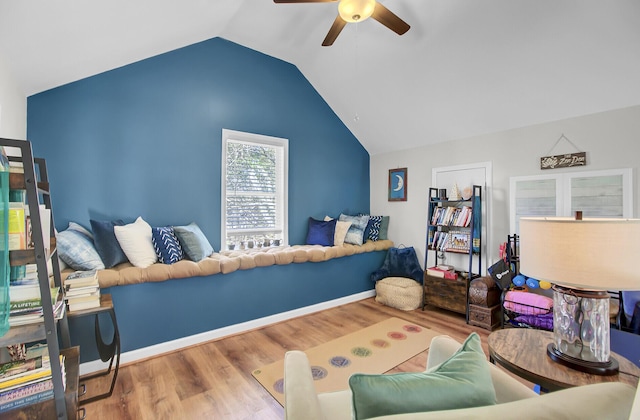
{"x":335,"y":30}
{"x":389,"y":19}
{"x":304,"y":1}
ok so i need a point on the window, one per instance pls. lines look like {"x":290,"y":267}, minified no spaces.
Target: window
{"x":596,"y":193}
{"x":254,"y":188}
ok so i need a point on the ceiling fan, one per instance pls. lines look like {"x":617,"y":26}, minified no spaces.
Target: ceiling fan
{"x":351,"y":11}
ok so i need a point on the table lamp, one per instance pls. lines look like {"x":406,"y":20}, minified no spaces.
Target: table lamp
{"x":583,"y":259}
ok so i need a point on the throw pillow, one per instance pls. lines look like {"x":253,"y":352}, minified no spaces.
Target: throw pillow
{"x":166,"y":244}
{"x":79,"y":228}
{"x":462,"y":381}
{"x":77,"y":251}
{"x":106,"y":242}
{"x":373,"y":228}
{"x":194,"y":244}
{"x":384,"y":228}
{"x":355,"y":234}
{"x":135,"y":241}
{"x":341,"y":231}
{"x":321,"y":232}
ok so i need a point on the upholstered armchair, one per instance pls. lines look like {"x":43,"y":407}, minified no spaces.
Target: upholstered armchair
{"x":513,"y":399}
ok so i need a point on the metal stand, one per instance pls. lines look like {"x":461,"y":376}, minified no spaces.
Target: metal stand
{"x":108,"y":351}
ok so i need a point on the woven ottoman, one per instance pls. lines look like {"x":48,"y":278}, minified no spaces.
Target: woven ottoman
{"x":399,"y":292}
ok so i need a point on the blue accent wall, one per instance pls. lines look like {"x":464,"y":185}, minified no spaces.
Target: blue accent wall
{"x":145,"y":140}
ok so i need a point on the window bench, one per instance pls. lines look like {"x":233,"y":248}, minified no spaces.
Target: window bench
{"x":226,"y":262}
{"x":156,"y":316}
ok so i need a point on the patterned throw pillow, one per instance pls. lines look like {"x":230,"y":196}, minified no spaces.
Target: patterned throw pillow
{"x":77,"y":251}
{"x":374,"y":228}
{"x":166,"y":244}
{"x":355,"y":234}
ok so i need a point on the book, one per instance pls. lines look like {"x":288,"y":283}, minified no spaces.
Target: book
{"x":28,"y":377}
{"x":31,"y":376}
{"x":83,"y":298}
{"x":81,"y":278}
{"x":17,"y":228}
{"x":95,"y":303}
{"x":17,"y":367}
{"x":22,"y":293}
{"x":25,"y":390}
{"x":16,"y":167}
{"x":438,"y":272}
{"x":26,"y":400}
{"x":81,"y":291}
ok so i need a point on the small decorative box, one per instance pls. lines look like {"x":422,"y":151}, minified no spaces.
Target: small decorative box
{"x":483,"y":291}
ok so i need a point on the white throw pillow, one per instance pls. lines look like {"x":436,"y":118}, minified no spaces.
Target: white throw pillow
{"x":135,"y":240}
{"x":342,"y":228}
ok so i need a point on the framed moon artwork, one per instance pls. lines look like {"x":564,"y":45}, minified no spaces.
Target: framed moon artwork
{"x":398,"y":184}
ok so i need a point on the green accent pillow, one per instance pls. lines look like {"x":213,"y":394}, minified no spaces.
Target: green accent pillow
{"x":384,"y":228}
{"x":462,"y":381}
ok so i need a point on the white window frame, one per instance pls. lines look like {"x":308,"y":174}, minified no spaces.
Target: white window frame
{"x":283,"y":188}
{"x":563,"y":191}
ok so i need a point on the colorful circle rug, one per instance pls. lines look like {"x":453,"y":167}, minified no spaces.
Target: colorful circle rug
{"x":375,"y":349}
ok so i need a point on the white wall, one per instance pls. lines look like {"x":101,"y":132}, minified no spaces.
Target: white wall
{"x":13,"y":106}
{"x":611,"y":140}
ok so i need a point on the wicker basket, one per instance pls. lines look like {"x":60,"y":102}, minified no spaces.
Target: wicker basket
{"x":399,"y":292}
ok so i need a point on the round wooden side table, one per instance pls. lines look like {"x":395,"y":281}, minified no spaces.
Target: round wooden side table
{"x":523,"y":352}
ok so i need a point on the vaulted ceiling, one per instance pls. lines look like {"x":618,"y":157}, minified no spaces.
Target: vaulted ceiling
{"x":465,"y":68}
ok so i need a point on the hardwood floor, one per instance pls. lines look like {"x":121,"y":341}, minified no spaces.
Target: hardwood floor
{"x":213,"y":380}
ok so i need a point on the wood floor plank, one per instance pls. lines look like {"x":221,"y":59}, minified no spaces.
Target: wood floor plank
{"x":213,"y":380}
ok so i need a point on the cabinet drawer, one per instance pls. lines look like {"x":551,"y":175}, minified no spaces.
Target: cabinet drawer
{"x":487,"y":318}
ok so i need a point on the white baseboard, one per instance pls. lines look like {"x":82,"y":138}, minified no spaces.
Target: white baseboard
{"x":169,"y":346}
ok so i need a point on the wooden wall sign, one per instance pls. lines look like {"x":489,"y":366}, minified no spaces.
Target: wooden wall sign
{"x":563,"y":161}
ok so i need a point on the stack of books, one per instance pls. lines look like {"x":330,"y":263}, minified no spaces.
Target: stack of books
{"x":443,"y":271}
{"x":26,"y":382}
{"x":82,"y":290}
{"x":23,"y":274}
{"x":26,"y":305}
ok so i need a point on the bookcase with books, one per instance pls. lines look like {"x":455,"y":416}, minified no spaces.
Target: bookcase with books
{"x":40,"y":379}
{"x":453,"y":249}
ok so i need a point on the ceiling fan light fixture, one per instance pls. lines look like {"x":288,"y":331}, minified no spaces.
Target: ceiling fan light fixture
{"x":356,"y":10}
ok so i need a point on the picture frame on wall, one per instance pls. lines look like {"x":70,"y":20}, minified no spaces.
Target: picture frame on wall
{"x":398,"y":184}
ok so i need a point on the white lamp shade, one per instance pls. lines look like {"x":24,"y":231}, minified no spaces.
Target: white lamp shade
{"x":356,"y":10}
{"x":600,"y":254}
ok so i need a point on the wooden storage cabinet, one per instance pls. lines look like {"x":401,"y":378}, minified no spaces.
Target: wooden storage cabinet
{"x":445,"y":293}
{"x":485,"y":317}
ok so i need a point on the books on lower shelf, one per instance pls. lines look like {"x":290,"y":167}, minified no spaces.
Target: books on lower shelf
{"x":29,"y":385}
{"x":82,"y":290}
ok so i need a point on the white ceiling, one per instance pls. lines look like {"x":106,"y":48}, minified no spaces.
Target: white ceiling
{"x":466,"y":67}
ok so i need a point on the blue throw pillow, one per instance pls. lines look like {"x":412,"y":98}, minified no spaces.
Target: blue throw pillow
{"x":166,"y":244}
{"x":77,"y":251}
{"x":194,"y":244}
{"x":355,"y":234}
{"x":106,"y":242}
{"x":321,"y":232}
{"x":373,"y":228}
